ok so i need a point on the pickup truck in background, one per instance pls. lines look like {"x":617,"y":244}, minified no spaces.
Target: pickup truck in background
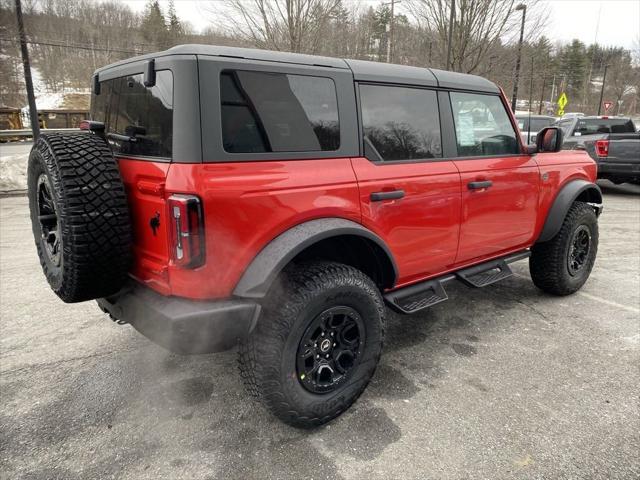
{"x":611,"y":141}
{"x":618,"y":157}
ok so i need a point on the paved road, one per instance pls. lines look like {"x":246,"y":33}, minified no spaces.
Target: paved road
{"x":503,"y":382}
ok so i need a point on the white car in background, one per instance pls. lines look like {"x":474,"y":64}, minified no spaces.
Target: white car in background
{"x":572,"y":115}
{"x":530,"y":125}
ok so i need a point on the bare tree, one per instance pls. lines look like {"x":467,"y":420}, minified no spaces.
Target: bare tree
{"x":479,"y":26}
{"x":294,"y":25}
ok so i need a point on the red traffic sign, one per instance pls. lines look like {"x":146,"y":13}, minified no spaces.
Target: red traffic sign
{"x":607,"y":105}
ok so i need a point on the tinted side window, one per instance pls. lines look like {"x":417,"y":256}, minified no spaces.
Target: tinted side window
{"x":401,"y":123}
{"x":274,"y":112}
{"x":129,"y":108}
{"x":482,"y":125}
{"x":591,"y":126}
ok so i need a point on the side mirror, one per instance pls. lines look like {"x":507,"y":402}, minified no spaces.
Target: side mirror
{"x":549,"y":139}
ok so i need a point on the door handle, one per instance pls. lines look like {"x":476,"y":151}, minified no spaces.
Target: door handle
{"x":392,"y":195}
{"x":479,"y":185}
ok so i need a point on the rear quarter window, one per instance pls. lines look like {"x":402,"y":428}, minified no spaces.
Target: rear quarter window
{"x":278,"y":112}
{"x":130,"y":109}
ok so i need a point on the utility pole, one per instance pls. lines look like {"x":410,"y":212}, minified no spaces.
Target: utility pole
{"x":451,"y":19}
{"x":33,"y":112}
{"x":604,"y":79}
{"x":522,"y":7}
{"x":390,"y":39}
{"x":587,"y":85}
{"x":530,"y":101}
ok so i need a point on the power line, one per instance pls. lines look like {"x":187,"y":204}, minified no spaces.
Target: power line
{"x":76,"y":46}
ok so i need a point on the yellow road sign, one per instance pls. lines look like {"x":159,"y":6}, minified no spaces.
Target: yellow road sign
{"x":562,"y":101}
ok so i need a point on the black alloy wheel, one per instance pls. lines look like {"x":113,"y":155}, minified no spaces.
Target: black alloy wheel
{"x":579,"y":250}
{"x":48,"y":221}
{"x":330,"y":349}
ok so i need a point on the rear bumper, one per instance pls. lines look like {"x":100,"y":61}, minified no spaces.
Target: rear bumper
{"x":183,"y":326}
{"x":618,"y":169}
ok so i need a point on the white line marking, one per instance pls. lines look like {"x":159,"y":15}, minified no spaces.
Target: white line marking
{"x":609,"y":302}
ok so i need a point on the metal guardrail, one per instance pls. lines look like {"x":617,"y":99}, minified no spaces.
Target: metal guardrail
{"x":26,"y":132}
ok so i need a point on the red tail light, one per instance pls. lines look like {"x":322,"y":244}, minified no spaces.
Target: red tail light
{"x":602,"y":148}
{"x":186,"y":231}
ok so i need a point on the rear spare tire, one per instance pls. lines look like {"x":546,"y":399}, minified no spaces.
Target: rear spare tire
{"x":79,"y":215}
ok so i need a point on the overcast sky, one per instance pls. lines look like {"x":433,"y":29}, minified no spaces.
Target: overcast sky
{"x":619,"y":20}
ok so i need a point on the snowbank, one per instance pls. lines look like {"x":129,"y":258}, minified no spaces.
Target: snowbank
{"x":13,"y":172}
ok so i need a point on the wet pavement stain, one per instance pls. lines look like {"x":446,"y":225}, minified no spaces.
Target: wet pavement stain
{"x":457,"y":322}
{"x":252,"y":453}
{"x":389,"y":382}
{"x":464,"y":350}
{"x":190,"y":391}
{"x":406,"y":331}
{"x":362,"y":433}
{"x":477,"y":383}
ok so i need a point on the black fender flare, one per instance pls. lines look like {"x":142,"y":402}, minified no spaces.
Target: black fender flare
{"x":563,"y":201}
{"x":266,"y":266}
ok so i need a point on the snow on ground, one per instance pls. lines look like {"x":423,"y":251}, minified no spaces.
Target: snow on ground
{"x":13,"y":166}
{"x":45,"y":98}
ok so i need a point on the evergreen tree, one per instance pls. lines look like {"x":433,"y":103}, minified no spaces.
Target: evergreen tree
{"x":154,"y":28}
{"x":176,"y":30}
{"x":574,"y":65}
{"x":381,"y":22}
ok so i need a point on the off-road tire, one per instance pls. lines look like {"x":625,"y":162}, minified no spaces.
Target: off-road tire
{"x":93,"y":224}
{"x":267,"y":359}
{"x":548,"y":263}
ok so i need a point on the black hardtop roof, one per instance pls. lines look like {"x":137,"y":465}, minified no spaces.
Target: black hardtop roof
{"x":362,"y":70}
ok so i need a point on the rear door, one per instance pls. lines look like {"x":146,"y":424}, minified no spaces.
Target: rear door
{"x":410,"y":195}
{"x":500,"y":185}
{"x":141,"y":123}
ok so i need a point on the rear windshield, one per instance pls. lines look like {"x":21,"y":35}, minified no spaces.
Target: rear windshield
{"x":143,"y":114}
{"x":590,"y":126}
{"x":537,"y":124}
{"x":275,"y":112}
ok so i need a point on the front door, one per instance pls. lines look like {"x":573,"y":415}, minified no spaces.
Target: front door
{"x":409,"y":195}
{"x":500,"y":185}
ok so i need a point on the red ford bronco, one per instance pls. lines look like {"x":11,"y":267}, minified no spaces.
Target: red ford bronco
{"x":222,"y":195}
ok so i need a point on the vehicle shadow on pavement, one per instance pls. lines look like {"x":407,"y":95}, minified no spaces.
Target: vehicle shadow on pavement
{"x":610,"y":188}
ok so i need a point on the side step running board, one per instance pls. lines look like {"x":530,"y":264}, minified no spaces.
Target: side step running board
{"x":419,"y":296}
{"x":483,"y":275}
{"x":425,"y":294}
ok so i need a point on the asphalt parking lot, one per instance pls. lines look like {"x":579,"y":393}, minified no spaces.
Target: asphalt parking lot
{"x":501,"y":382}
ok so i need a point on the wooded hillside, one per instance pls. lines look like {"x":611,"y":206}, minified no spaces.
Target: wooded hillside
{"x":70,"y":39}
